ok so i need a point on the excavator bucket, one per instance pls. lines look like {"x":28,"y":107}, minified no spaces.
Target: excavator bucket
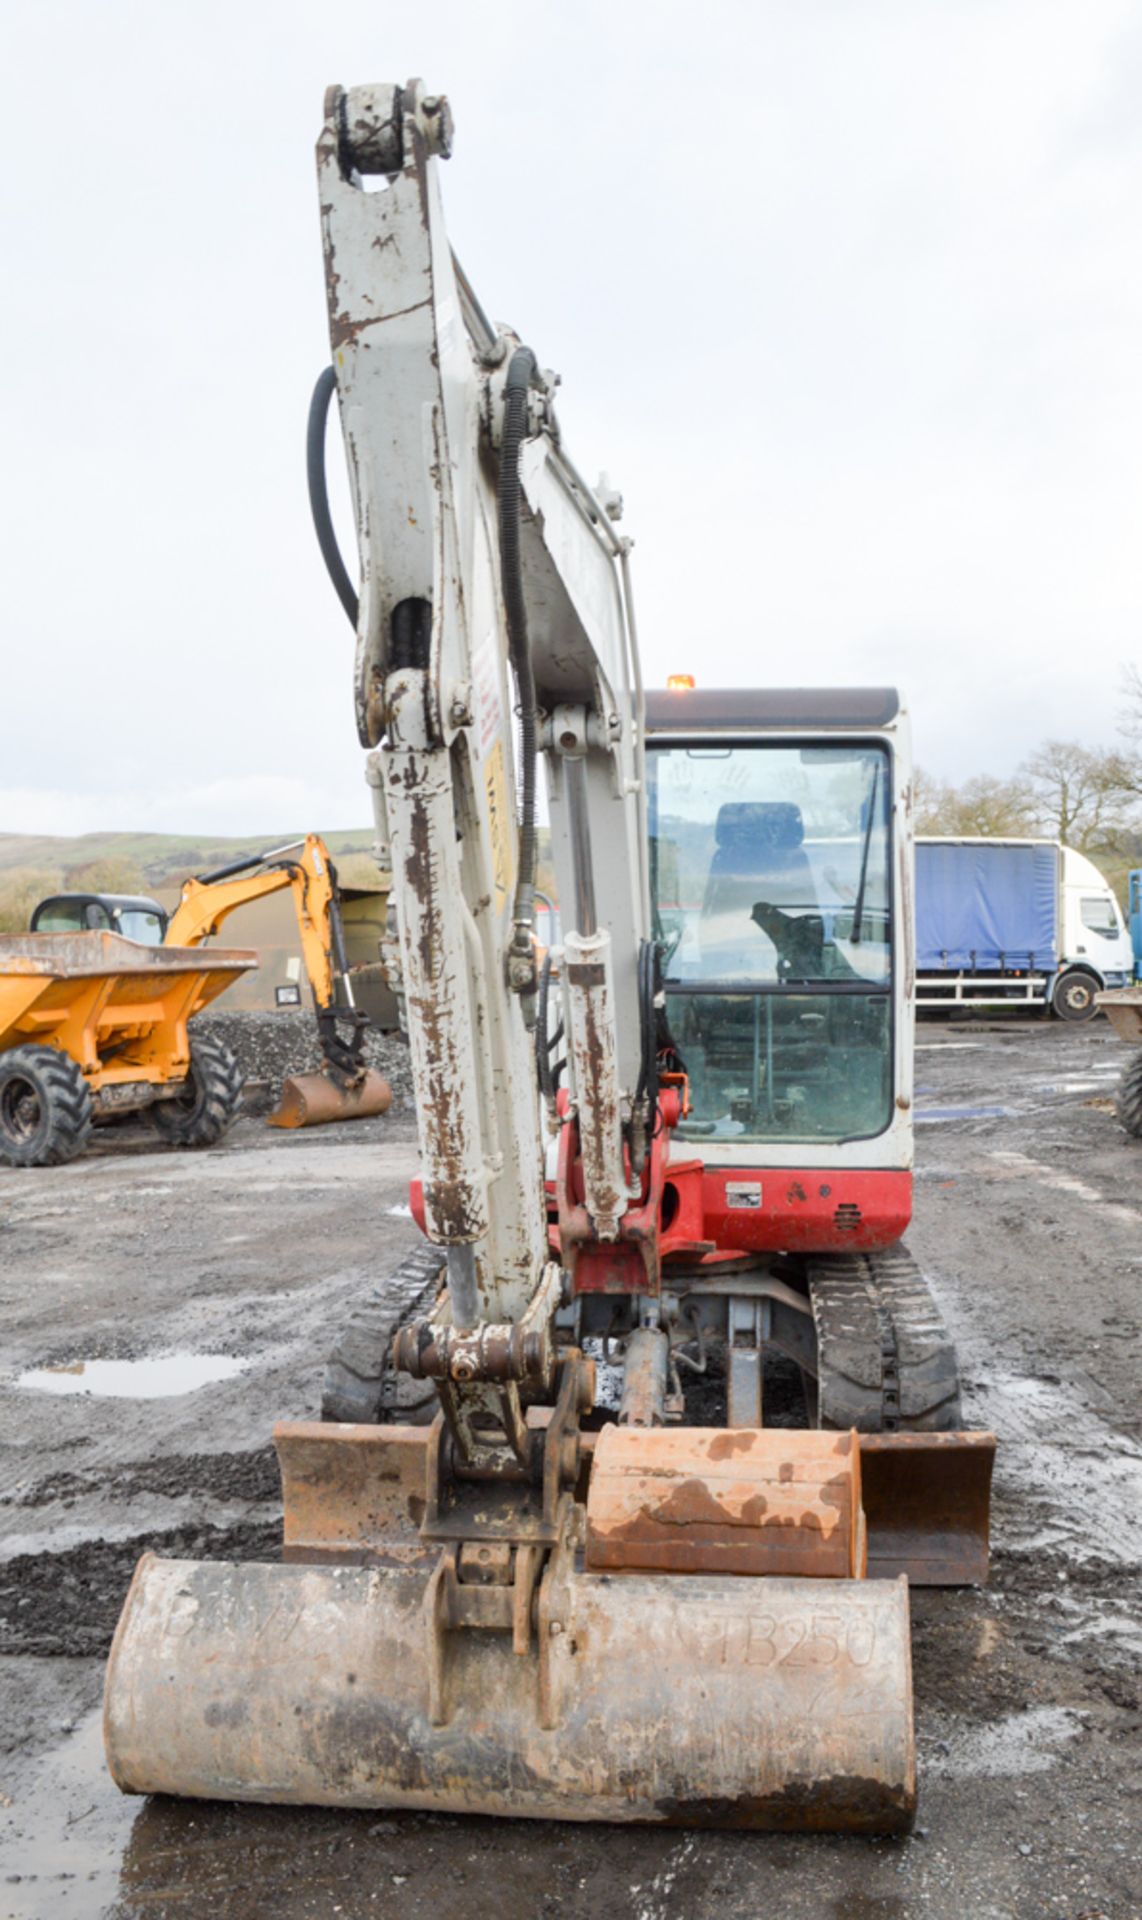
{"x":310,"y":1099}
{"x":638,"y":1677}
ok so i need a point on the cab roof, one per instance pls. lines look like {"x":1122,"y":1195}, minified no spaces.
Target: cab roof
{"x":726,"y":708}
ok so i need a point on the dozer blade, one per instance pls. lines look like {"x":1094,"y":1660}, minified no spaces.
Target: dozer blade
{"x":692,"y":1700}
{"x":309,"y":1099}
{"x":746,"y":1500}
{"x":927,"y":1503}
{"x":925,"y":1499}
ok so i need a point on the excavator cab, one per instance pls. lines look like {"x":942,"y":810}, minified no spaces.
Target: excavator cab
{"x":134,"y":918}
{"x":772,"y":894}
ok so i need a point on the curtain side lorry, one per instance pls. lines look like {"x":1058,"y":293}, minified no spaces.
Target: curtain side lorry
{"x":1016,"y":923}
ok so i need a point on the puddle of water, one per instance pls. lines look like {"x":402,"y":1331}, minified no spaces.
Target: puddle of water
{"x":158,"y":1377}
{"x":63,"y":1837}
{"x":930,"y":1114}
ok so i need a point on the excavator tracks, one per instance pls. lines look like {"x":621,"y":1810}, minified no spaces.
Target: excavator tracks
{"x":359,"y":1383}
{"x":886,"y":1362}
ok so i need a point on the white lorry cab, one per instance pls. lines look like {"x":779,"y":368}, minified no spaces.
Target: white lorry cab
{"x":1025,"y":922}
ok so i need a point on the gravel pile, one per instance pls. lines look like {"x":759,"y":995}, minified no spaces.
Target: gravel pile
{"x":272,"y":1046}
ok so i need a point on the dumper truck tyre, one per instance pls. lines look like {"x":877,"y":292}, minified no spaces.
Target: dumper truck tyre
{"x":45,"y":1108}
{"x":1128,"y":1099}
{"x":1073,"y":995}
{"x":211,"y":1099}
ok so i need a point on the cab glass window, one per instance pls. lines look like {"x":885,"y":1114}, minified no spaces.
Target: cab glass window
{"x":1096,"y":911}
{"x":135,"y":924}
{"x":771,"y":890}
{"x":73,"y":916}
{"x":771,"y":863}
{"x":61,"y":916}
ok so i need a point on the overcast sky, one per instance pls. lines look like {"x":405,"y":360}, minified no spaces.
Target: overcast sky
{"x":846,"y":296}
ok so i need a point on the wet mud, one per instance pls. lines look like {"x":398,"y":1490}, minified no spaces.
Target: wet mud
{"x":67,"y":1603}
{"x":1028,"y":1715}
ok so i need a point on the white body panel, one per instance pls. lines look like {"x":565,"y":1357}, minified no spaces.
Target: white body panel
{"x":1086,"y":897}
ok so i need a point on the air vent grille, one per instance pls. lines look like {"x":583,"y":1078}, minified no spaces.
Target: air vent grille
{"x":847,"y":1217}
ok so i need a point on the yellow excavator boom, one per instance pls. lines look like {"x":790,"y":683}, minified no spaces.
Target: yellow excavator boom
{"x":305,"y":868}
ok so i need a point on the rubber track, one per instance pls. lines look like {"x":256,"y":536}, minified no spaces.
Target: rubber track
{"x":359,"y":1384}
{"x":885,"y":1359}
{"x":1128,"y":1099}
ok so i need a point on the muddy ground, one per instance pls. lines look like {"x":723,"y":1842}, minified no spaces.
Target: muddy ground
{"x":1027,"y":1694}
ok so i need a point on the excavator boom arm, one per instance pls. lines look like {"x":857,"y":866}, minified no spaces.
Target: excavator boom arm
{"x":207,"y":901}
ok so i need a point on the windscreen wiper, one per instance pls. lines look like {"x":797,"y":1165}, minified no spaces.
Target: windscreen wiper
{"x":858,"y":904}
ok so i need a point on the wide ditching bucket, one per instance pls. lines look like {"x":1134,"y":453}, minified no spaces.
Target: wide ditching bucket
{"x":699,"y":1648}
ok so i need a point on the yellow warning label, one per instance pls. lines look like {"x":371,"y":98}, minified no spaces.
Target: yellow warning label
{"x":501,"y":823}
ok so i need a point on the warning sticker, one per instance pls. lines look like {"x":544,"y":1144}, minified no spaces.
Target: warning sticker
{"x":743,"y":1193}
{"x":486,"y":694}
{"x":501,"y":823}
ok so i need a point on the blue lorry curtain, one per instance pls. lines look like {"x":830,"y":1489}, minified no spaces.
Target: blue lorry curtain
{"x":986,"y":907}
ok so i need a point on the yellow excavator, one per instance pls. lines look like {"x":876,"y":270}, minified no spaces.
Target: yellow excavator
{"x":661,"y":1172}
{"x":344,"y":1088}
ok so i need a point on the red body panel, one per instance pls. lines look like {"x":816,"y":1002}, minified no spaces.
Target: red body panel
{"x":712,"y":1213}
{"x":803,"y":1210}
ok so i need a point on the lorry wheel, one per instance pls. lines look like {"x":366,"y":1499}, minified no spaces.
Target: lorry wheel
{"x":45,"y":1108}
{"x":210,"y":1100}
{"x":1128,"y":1099}
{"x":1073,"y":996}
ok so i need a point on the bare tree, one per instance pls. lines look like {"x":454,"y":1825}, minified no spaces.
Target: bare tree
{"x":984,"y":806}
{"x":1085,"y":796}
{"x":931,"y":799}
{"x":1131,"y":727}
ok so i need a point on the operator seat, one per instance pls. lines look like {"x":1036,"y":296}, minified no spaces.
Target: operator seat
{"x":759,"y":914}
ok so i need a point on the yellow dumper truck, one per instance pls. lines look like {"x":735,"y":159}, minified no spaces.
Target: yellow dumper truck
{"x":93,"y":1025}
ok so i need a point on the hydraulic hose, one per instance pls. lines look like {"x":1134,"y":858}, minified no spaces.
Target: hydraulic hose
{"x":521,"y":370}
{"x":319,"y":494}
{"x":543,"y":1045}
{"x":648,"y":983}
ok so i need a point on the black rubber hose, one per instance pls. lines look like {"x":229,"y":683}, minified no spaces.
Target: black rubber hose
{"x":319,"y":495}
{"x":542,"y":1044}
{"x":647,"y":1088}
{"x":521,"y":370}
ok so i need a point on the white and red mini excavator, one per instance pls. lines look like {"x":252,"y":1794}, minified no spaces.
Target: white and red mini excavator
{"x":623,"y":1476}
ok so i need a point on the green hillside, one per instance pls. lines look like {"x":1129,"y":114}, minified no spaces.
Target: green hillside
{"x":32,"y":865}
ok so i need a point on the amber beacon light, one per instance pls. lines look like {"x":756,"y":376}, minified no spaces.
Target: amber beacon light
{"x":680,"y":682}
